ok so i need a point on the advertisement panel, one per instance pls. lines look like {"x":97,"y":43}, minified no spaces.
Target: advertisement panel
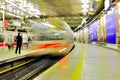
{"x":93,"y":31}
{"x":118,"y":22}
{"x":110,"y":26}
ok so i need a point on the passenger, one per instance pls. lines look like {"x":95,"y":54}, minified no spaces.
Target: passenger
{"x":29,"y":42}
{"x":19,"y":43}
{"x":10,"y":43}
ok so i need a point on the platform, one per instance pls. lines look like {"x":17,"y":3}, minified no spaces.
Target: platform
{"x":7,"y":56}
{"x":86,"y":62}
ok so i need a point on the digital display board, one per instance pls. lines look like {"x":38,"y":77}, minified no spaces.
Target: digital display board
{"x":39,"y":25}
{"x":110,"y":26}
{"x":16,"y":23}
{"x":93,"y":31}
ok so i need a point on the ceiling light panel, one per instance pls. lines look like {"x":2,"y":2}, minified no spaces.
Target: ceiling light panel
{"x":85,"y":6}
{"x":24,"y":6}
{"x":85,"y":1}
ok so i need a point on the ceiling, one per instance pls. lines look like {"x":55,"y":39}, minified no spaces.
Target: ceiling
{"x":59,"y":7}
{"x":67,"y":10}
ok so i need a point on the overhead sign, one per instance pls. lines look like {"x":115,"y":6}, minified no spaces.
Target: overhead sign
{"x":6,"y":23}
{"x":16,"y":23}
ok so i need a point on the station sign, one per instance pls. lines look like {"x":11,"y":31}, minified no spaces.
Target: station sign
{"x":6,"y":23}
{"x":16,"y":23}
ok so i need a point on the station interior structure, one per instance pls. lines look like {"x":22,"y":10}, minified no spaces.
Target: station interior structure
{"x":61,"y":39}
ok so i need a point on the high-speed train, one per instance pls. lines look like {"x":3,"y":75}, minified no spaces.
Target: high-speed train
{"x":51,"y":37}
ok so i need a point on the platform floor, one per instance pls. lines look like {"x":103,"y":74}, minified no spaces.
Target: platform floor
{"x":86,"y":62}
{"x":5,"y":54}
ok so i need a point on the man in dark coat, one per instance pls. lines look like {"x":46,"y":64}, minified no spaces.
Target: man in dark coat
{"x":19,"y":43}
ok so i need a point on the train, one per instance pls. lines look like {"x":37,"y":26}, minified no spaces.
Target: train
{"x":51,"y":37}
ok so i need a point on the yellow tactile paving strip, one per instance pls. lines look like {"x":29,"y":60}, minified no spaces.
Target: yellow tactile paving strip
{"x":77,"y":73}
{"x":66,"y":68}
{"x":86,"y":62}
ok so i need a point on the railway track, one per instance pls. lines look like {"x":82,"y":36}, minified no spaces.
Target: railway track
{"x":27,"y":68}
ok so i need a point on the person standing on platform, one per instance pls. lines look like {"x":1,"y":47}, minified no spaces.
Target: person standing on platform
{"x":19,"y":43}
{"x":10,"y":42}
{"x":29,"y":42}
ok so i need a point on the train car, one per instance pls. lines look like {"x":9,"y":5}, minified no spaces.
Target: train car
{"x":52,"y":37}
{"x":11,"y":35}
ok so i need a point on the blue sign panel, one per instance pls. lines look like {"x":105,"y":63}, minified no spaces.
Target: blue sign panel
{"x":93,"y":27}
{"x":110,"y":27}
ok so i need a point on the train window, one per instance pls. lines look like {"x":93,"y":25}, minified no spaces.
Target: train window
{"x":1,"y":38}
{"x":15,"y":39}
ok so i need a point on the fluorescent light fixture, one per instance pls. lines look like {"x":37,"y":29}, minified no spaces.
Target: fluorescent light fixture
{"x":85,"y":1}
{"x":37,"y":16}
{"x":91,"y":9}
{"x":10,"y":14}
{"x":19,"y":17}
{"x":85,"y":6}
{"x":8,"y":1}
{"x":49,"y":25}
{"x":32,"y":21}
{"x":97,"y":0}
{"x":84,"y":13}
{"x":21,"y":8}
{"x":15,"y":5}
{"x":85,"y":10}
{"x":18,"y":7}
